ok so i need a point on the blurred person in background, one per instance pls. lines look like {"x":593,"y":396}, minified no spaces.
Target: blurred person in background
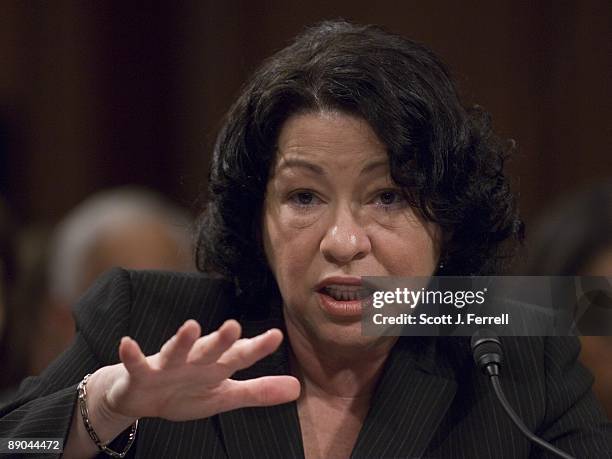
{"x":128,"y":227}
{"x":120,"y":227}
{"x":575,"y":239}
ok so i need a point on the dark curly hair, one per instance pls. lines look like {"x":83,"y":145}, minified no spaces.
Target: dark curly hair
{"x":443,"y":155}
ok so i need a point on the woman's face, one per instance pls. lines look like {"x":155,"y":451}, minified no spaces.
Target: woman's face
{"x":331,"y":215}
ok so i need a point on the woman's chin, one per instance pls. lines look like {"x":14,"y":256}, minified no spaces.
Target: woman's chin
{"x":328,"y":325}
{"x":342,"y":337}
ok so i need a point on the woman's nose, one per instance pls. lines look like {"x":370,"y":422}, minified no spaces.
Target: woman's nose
{"x":345,"y":240}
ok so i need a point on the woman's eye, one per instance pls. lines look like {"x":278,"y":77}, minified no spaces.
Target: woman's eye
{"x":390,"y":198}
{"x":304,"y":199}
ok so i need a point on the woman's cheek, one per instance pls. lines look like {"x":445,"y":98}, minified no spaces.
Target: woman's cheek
{"x":296,"y":240}
{"x":296,"y":218}
{"x":395,"y":219}
{"x":407,"y":250}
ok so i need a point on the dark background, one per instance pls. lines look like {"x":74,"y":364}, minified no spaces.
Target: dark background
{"x":105,"y":93}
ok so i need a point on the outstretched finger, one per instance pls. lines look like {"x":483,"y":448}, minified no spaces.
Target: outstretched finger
{"x":209,"y":348}
{"x":264,"y":391}
{"x":246,"y":352}
{"x":175,"y":350}
{"x":132,"y":357}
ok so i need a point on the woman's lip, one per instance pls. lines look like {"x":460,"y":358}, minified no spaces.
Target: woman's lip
{"x":339,"y":280}
{"x":339,"y":308}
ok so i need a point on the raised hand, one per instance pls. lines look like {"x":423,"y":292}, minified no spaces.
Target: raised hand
{"x":190,"y":377}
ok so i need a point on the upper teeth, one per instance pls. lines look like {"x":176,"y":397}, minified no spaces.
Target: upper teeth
{"x":347,"y":292}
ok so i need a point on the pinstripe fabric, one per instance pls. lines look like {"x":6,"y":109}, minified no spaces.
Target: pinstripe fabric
{"x":430,"y":401}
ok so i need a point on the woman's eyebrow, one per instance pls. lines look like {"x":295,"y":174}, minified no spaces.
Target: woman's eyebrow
{"x":300,"y":163}
{"x":374,"y":165}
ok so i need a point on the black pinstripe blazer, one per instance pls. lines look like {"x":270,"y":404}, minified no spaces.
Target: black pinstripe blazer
{"x":430,"y":401}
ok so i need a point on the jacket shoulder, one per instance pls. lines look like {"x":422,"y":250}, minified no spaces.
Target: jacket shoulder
{"x":163,"y":301}
{"x":149,"y":306}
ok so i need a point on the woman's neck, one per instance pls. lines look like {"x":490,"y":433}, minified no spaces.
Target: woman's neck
{"x":340,"y":372}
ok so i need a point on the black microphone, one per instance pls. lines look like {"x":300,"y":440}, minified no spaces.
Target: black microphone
{"x":487,"y":352}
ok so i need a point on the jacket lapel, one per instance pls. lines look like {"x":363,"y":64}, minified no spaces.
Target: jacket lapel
{"x":272,"y":432}
{"x":410,"y":401}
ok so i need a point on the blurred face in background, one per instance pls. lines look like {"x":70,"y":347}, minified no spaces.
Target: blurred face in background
{"x":600,"y":264}
{"x":595,"y":352}
{"x":143,"y":243}
{"x":331,"y":215}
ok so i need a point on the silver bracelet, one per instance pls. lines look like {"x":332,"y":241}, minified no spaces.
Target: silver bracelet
{"x":82,"y":392}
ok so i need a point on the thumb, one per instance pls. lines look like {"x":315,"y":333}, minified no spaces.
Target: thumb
{"x":132,"y":357}
{"x":264,"y":391}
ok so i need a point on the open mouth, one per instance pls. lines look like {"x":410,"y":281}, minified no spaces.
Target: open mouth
{"x":346,"y":292}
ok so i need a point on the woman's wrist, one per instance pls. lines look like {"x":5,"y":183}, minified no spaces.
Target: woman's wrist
{"x":107,"y":422}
